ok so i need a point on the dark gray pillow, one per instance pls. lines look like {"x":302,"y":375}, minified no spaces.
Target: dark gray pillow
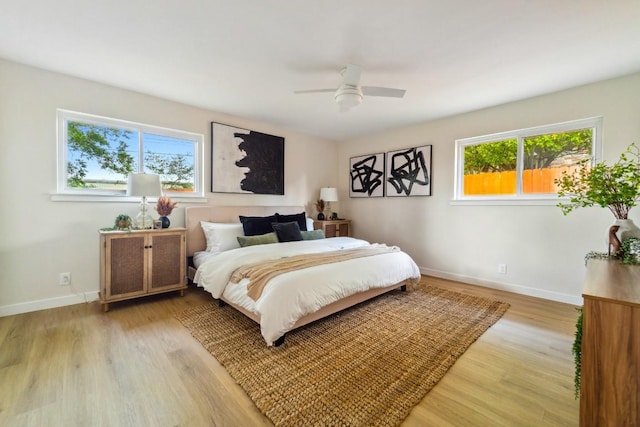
{"x":300,"y":218}
{"x":287,"y":231}
{"x":257,"y":225}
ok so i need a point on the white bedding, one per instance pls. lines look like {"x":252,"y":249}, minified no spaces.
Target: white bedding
{"x":290,"y":296}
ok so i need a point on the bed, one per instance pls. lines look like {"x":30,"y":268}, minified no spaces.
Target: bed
{"x":288,"y":298}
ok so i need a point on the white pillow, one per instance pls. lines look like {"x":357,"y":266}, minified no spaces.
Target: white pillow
{"x":221,"y":236}
{"x":309,"y":224}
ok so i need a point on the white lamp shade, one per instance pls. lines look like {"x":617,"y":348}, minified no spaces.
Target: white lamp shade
{"x":144,"y":185}
{"x":329,"y":194}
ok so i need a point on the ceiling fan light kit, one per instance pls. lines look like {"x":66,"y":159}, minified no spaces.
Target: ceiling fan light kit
{"x":349,"y":94}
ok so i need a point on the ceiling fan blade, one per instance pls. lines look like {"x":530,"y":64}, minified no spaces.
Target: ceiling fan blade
{"x":315,"y":90}
{"x":351,"y":75}
{"x":382,"y":91}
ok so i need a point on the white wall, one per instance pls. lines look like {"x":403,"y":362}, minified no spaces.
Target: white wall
{"x":40,"y":238}
{"x":543,"y":249}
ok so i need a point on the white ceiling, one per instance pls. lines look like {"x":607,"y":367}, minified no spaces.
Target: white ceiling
{"x":246,"y":57}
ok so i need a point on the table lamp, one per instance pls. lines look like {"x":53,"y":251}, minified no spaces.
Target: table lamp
{"x":329,"y":194}
{"x":144,"y":185}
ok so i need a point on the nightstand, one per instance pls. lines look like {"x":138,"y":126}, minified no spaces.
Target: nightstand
{"x":334,"y":228}
{"x":141,"y":262}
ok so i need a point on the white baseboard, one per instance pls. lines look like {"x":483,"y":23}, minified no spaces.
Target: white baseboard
{"x":43,"y":304}
{"x":509,"y":287}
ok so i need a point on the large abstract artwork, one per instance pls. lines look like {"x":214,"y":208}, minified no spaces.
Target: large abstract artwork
{"x":245,"y":161}
{"x":366,"y":176}
{"x":409,"y":172}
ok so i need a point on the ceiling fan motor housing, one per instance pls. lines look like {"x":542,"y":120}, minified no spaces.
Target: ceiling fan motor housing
{"x":348,"y":96}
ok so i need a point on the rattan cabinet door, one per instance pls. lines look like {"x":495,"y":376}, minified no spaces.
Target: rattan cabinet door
{"x":343,"y":229}
{"x":125,"y":260}
{"x":166,"y":268}
{"x":141,"y":262}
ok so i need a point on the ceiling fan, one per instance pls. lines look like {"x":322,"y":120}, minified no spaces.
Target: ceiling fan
{"x":349,"y":94}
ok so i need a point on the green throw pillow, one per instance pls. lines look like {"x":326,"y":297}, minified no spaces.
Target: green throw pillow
{"x":261,"y":239}
{"x":312,"y":235}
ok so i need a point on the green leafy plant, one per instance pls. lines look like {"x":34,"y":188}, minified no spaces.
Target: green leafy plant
{"x":122,"y":222}
{"x":616,"y":186}
{"x":630,"y":250}
{"x":597,"y":255}
{"x":576,"y":350}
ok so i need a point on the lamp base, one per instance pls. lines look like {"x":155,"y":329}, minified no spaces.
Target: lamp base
{"x":143,"y":221}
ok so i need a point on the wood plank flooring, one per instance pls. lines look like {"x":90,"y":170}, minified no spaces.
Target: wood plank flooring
{"x":137,"y":366}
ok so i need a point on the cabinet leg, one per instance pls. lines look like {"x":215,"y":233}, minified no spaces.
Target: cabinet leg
{"x":105,"y":306}
{"x":181,"y":292}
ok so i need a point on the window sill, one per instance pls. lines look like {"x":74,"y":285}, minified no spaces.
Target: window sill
{"x":62,"y":197}
{"x":506,"y":202}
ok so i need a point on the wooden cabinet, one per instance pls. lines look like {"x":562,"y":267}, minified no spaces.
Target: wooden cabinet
{"x":334,"y":228}
{"x":610,"y":380}
{"x":141,"y":262}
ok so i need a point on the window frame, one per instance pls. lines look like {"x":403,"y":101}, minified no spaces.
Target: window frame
{"x":65,"y":193}
{"x":594,"y":123}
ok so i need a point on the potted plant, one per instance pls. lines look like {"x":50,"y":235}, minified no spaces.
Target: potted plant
{"x":164,"y":207}
{"x":122,"y":222}
{"x":320,"y":209}
{"x":616,"y":187}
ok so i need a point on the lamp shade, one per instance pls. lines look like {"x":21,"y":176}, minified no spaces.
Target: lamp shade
{"x":329,"y":194}
{"x":144,"y":185}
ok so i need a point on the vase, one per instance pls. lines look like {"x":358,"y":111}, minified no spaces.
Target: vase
{"x":320,"y":216}
{"x":165,"y":221}
{"x":625,"y":229}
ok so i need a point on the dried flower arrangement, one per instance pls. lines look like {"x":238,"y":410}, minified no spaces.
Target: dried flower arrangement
{"x":165,"y":206}
{"x":320,"y":205}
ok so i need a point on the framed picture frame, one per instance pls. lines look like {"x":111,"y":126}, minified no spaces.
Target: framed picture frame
{"x":366,"y":175}
{"x":408,"y":172}
{"x":246,"y":161}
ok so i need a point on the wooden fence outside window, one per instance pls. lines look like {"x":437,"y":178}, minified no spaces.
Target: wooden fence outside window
{"x":534,"y":181}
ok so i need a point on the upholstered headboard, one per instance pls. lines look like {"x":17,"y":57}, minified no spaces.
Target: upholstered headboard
{"x":194,"y":214}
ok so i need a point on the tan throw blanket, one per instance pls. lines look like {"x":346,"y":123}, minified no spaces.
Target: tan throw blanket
{"x":261,"y":272}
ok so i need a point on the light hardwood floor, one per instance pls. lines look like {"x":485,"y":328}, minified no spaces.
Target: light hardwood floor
{"x":137,"y":366}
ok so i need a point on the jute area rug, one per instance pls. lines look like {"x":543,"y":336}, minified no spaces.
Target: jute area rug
{"x":366,"y":366}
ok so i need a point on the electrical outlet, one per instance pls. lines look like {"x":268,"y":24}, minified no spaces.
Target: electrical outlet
{"x":65,"y":279}
{"x":502,"y":268}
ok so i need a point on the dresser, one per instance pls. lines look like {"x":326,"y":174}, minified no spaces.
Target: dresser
{"x":141,"y":262}
{"x":334,"y":228}
{"x":610,"y":380}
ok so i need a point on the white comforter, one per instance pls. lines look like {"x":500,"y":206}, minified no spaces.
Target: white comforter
{"x":290,"y":296}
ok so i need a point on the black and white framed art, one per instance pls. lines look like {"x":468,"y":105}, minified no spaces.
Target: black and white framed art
{"x":366,"y":175}
{"x":408,"y":172}
{"x":246,"y":161}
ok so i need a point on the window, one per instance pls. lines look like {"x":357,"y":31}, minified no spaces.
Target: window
{"x":96,"y":155}
{"x":523,"y":164}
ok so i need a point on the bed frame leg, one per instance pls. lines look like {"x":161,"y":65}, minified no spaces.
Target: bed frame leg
{"x":221,"y":303}
{"x":403,"y":288}
{"x":279,"y":342}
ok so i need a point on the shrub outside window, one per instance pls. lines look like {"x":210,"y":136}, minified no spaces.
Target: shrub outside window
{"x":96,"y":155}
{"x":523,"y":164}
